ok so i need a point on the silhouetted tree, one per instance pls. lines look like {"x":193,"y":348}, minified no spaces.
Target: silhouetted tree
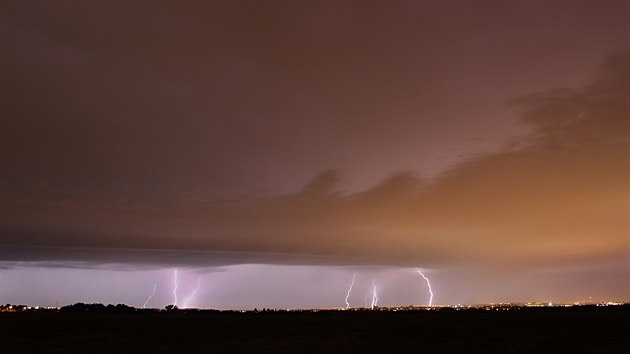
{"x":98,"y":308}
{"x":171,"y":308}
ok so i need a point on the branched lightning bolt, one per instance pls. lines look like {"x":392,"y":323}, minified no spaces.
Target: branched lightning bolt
{"x":429,"y":285}
{"x":192,"y":295}
{"x":349,"y":290}
{"x":374,"y":295}
{"x":150,"y":296}
{"x":175,"y":286}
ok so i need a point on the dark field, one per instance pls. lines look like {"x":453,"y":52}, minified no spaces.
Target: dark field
{"x":561,"y":331}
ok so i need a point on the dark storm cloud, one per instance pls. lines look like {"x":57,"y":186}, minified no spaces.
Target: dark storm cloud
{"x":560,"y":197}
{"x":138,"y":133}
{"x":155,"y":99}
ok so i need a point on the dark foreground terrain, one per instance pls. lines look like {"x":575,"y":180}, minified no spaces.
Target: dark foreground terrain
{"x":561,"y":331}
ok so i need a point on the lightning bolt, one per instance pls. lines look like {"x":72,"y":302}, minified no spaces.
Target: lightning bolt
{"x":175,"y":285}
{"x":374,"y":295}
{"x":192,"y":295}
{"x":150,"y":296}
{"x":429,"y":285}
{"x":349,"y":290}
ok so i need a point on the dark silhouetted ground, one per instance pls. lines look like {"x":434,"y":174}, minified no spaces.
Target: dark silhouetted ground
{"x":562,"y":331}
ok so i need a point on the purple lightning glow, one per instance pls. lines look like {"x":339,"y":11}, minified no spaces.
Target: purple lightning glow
{"x":349,"y":290}
{"x":429,"y":285}
{"x":175,"y":285}
{"x":150,"y":296}
{"x":192,"y":294}
{"x":374,"y":295}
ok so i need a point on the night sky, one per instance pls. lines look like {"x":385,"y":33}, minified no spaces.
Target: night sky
{"x":270,"y":150}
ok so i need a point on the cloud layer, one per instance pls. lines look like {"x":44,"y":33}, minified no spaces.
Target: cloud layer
{"x":558,"y":195}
